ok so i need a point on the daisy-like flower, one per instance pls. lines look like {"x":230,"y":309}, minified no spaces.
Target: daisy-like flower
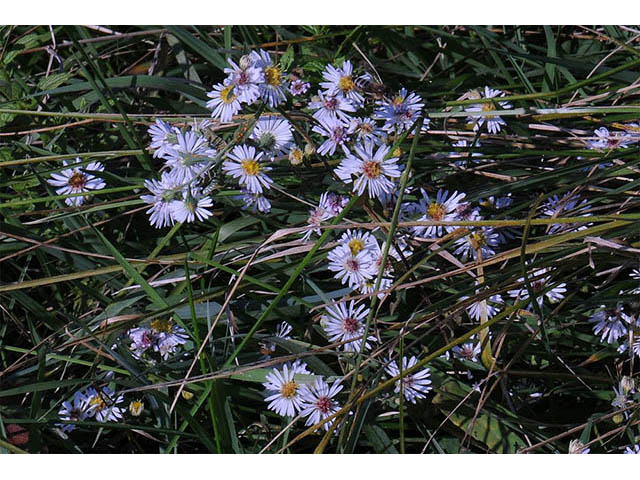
{"x":345,"y":323}
{"x":295,"y":155}
{"x":168,"y":336}
{"x":318,"y":402}
{"x":224,"y":102}
{"x":336,"y":133}
{"x":331,"y":107}
{"x":164,"y":192}
{"x":282,"y":331}
{"x":77,"y":180}
{"x":493,"y":307}
{"x":465,"y":155}
{"x":283,"y":390}
{"x":341,"y":82}
{"x":163,"y":138}
{"x":372,"y":171}
{"x":441,"y":209}
{"x":275,"y":83}
{"x":329,"y":206}
{"x":609,"y":323}
{"x":352,"y":269}
{"x":567,"y":205}
{"x":254,"y":202}
{"x":246,"y":79}
{"x":190,"y":158}
{"x":468,"y":351}
{"x":400,"y":112}
{"x":494,"y":122}
{"x":273,"y":135}
{"x":483,"y":239}
{"x":539,"y":280}
{"x":73,"y":411}
{"x":142,"y":339}
{"x":577,"y":447}
{"x":365,"y":128}
{"x":635,"y":449}
{"x":245,"y":164}
{"x":136,"y":407}
{"x":606,"y":140}
{"x":104,"y":405}
{"x":298,"y":87}
{"x":193,"y":205}
{"x":415,"y":385}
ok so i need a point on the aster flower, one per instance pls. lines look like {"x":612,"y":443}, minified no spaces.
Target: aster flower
{"x":352,"y":269}
{"x":468,"y":351}
{"x":104,"y":405}
{"x":609,"y":323}
{"x":164,"y":192}
{"x":295,"y":155}
{"x":373,"y":171}
{"x":415,"y":385}
{"x":168,"y":336}
{"x":224,"y":102}
{"x":193,"y":205}
{"x":567,"y":205}
{"x":318,"y":402}
{"x":341,"y":82}
{"x":577,"y":447}
{"x":275,"y":83}
{"x":483,"y":239}
{"x":73,"y":411}
{"x":330,"y":205}
{"x":336,"y":132}
{"x":77,"y":180}
{"x":245,"y":164}
{"x":298,"y":87}
{"x":136,"y":407}
{"x":634,"y":449}
{"x":539,"y":280}
{"x":365,"y":128}
{"x":142,"y":339}
{"x":246,"y":80}
{"x":493,"y":307}
{"x":190,"y":158}
{"x":283,"y":390}
{"x":464,"y":156}
{"x":272,"y":135}
{"x":331,"y":107}
{"x":441,"y":209}
{"x":345,"y":323}
{"x":163,"y":138}
{"x":282,"y":331}
{"x":494,"y":122}
{"x":254,"y":202}
{"x":400,"y":112}
{"x":606,"y":140}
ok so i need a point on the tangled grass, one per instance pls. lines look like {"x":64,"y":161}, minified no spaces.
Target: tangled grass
{"x":531,"y":376}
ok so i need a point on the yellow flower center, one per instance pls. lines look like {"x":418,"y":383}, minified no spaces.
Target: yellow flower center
{"x":289,"y":389}
{"x":478,"y":239}
{"x":397,"y":152}
{"x":77,"y":180}
{"x":136,"y":407}
{"x":488,"y":107}
{"x":162,"y":325}
{"x":371,"y":169}
{"x":356,"y":245}
{"x":436,"y":211}
{"x":227,"y":95}
{"x":251,"y":167}
{"x":273,"y":76}
{"x":295,"y":156}
{"x":98,"y":402}
{"x":346,"y":84}
{"x":397,"y":101}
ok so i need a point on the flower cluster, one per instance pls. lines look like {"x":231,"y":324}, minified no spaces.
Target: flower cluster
{"x":91,"y":403}
{"x":162,"y":336}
